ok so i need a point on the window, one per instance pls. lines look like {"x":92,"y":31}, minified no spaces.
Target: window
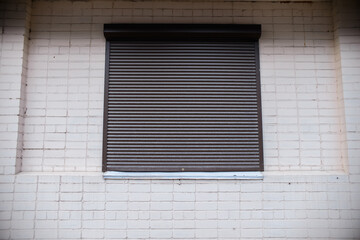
{"x":182,"y":98}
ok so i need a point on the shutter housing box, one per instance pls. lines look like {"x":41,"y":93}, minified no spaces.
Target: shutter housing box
{"x":182,"y":97}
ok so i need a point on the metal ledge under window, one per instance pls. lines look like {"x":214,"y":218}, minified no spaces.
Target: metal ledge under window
{"x":183,"y":175}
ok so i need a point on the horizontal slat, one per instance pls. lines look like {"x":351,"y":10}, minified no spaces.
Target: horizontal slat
{"x":181,"y":162}
{"x":243,"y":119}
{"x":186,"y":135}
{"x":172,"y":45}
{"x":183,"y":54}
{"x":179,"y":89}
{"x":182,"y":165}
{"x":156,"y":102}
{"x":176,"y":48}
{"x":175,"y":78}
{"x":220,"y":48}
{"x":188,"y":112}
{"x":157,"y":84}
{"x":224,"y":49}
{"x":192,"y":143}
{"x":180,"y":45}
{"x":171,"y":97}
{"x":183,"y":132}
{"x":182,"y":151}
{"x":181,"y":169}
{"x":181,"y":95}
{"x":193,"y":168}
{"x":184,"y":140}
{"x":167,"y":128}
{"x":181,"y":65}
{"x":153,"y":48}
{"x":173,"y":82}
{"x":182,"y":124}
{"x":179,"y":146}
{"x":184,"y":59}
{"x":180,"y":154}
{"x":184,"y":73}
{"x":151,"y":158}
{"x":247,"y":97}
{"x":121,"y":106}
{"x":117,"y":121}
{"x":187,"y":139}
{"x":165,"y":108}
{"x":186,"y":91}
{"x":181,"y":61}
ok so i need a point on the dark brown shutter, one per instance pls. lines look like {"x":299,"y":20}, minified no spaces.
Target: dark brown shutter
{"x":182,"y":106}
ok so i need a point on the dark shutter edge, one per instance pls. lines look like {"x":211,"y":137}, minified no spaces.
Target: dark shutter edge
{"x":106,"y":105}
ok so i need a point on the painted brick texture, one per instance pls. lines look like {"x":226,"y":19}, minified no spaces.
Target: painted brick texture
{"x":301,"y":114}
{"x":309,"y":53}
{"x":15,"y":21}
{"x":74,"y":207}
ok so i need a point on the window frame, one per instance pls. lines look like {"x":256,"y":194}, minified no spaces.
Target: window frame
{"x":182,"y":32}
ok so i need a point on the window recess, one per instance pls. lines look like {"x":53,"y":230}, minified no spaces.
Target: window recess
{"x":182,"y":98}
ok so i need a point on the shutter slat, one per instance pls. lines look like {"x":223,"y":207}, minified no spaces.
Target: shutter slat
{"x":204,"y":59}
{"x":181,"y":168}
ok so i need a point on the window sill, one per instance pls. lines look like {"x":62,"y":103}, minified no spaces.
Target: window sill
{"x":184,"y":175}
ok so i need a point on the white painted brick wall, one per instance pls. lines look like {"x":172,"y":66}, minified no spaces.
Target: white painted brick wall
{"x":301,"y":109}
{"x":310,"y":85}
{"x":14,"y":26}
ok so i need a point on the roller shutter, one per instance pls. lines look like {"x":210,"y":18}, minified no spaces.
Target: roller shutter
{"x":188,"y":105}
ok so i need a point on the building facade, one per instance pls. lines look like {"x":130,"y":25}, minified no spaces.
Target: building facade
{"x":52,"y":66}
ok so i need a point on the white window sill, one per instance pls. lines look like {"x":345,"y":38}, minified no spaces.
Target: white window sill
{"x":184,"y":175}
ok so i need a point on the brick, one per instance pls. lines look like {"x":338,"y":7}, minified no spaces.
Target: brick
{"x":115,"y":234}
{"x":139,"y":233}
{"x":181,"y":234}
{"x":8,"y":188}
{"x":70,"y":206}
{"x":24,"y":206}
{"x":25,"y":188}
{"x":24,"y":196}
{"x":116,"y":206}
{"x":18,"y":234}
{"x":54,"y":206}
{"x":160,"y":234}
{"x":69,"y":234}
{"x":70,"y":197}
{"x":69,"y":224}
{"x":161,"y":206}
{"x":22,"y":224}
{"x":46,"y":187}
{"x":94,"y":206}
{"x":93,"y":224}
